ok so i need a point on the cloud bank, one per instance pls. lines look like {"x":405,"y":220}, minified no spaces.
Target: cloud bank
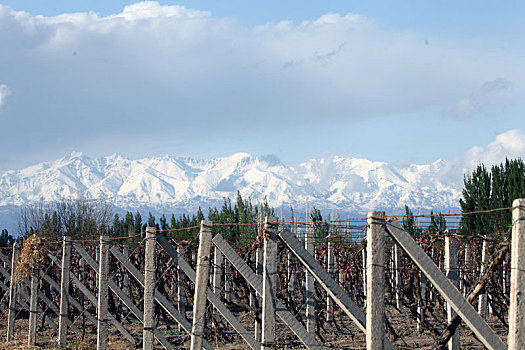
{"x":4,"y":92}
{"x":163,"y":69}
{"x":510,"y":144}
{"x":489,"y":92}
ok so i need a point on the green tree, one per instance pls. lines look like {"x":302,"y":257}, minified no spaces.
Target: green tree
{"x":5,"y":239}
{"x":484,"y":190}
{"x":437,"y":222}
{"x":409,"y":224}
{"x":137,"y":224}
{"x":80,"y":218}
{"x":321,"y":228}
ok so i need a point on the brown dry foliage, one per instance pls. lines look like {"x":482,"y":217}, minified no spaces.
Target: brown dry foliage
{"x":16,"y":345}
{"x":31,"y":252}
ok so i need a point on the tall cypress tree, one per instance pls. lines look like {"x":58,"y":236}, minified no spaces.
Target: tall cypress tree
{"x":484,"y":190}
{"x":409,"y":224}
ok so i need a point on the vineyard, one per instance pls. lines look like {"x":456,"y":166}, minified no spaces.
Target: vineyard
{"x":368,"y":284}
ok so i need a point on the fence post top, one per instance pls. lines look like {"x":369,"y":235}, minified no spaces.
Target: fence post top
{"x":271,"y":219}
{"x":519,"y":202}
{"x":376,"y":217}
{"x":206,"y":223}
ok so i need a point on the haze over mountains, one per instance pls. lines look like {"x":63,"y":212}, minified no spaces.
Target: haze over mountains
{"x":176,"y":184}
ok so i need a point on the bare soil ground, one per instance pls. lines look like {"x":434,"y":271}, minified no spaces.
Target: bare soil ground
{"x":340,"y":334}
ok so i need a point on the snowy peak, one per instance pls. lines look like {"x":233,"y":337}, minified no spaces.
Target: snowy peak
{"x":330,"y":182}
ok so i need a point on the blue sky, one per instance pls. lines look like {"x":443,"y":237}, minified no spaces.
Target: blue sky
{"x":413,"y":82}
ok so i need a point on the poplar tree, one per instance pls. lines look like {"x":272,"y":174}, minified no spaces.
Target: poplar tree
{"x":484,"y":190}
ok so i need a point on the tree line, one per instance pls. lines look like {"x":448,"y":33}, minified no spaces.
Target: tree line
{"x":486,"y":190}
{"x":87,"y":219}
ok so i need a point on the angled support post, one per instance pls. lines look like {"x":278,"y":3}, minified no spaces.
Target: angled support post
{"x":223,"y":310}
{"x":201,"y":284}
{"x":328,"y":283}
{"x":445,"y":287}
{"x":256,"y":282}
{"x":87,"y":292}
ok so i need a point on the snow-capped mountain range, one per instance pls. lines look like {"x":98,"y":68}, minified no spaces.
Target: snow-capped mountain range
{"x":176,"y":184}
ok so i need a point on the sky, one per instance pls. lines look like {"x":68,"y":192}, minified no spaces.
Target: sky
{"x":414,"y":82}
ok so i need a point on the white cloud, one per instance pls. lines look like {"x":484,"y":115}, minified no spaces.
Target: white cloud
{"x":341,"y":66}
{"x":152,"y":9}
{"x":510,"y":144}
{"x":488,"y":93}
{"x":4,"y":92}
{"x":173,"y":68}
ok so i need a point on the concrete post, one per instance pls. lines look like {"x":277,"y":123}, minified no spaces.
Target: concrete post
{"x":102,"y":306}
{"x":269,"y":283}
{"x":375,"y":300}
{"x":309,"y":284}
{"x":451,"y":268}
{"x":431,"y":287}
{"x":467,"y":268}
{"x":218,"y":261}
{"x":363,"y":258}
{"x":149,"y":288}
{"x":445,"y":287}
{"x":423,"y":296}
{"x":258,"y":271}
{"x":292,"y":277}
{"x":330,"y":270}
{"x":33,"y":300}
{"x":201,"y":284}
{"x":64,"y":291}
{"x":97,"y":259}
{"x":392,"y":271}
{"x":227,"y":285}
{"x":505,"y":274}
{"x":12,"y":294}
{"x":397,"y":276}
{"x":290,"y":273}
{"x":125,"y":276}
{"x":341,"y":276}
{"x":516,"y":337}
{"x":81,"y":296}
{"x":482,"y":301}
{"x":181,"y":298}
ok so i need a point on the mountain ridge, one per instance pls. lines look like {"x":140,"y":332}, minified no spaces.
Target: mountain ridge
{"x":335,"y":182}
